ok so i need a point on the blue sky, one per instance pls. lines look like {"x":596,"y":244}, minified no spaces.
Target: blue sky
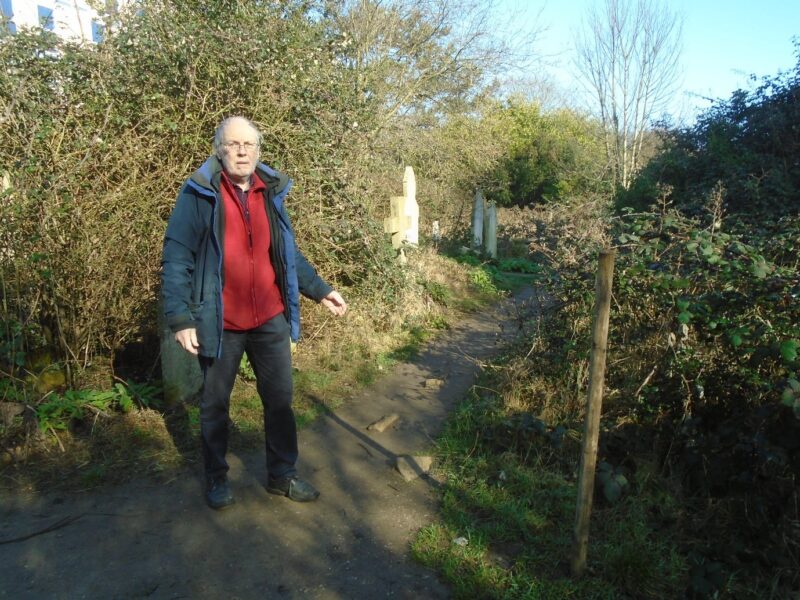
{"x":724,"y":42}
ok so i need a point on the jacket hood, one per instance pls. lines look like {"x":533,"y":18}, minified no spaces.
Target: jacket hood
{"x":206,"y":177}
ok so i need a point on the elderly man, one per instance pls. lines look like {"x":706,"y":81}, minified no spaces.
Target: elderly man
{"x":232,"y":275}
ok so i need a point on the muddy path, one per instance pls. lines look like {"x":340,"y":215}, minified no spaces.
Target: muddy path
{"x":159,"y":540}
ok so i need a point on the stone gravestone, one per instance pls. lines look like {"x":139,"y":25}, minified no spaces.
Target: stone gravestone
{"x":477,"y":221}
{"x":411,"y":206}
{"x":403,"y":222}
{"x":490,"y":230}
{"x":180,"y":371}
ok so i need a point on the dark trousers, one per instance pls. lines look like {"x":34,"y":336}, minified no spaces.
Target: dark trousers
{"x":269,"y":350}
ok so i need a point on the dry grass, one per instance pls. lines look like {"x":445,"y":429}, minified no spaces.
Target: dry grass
{"x":107,"y":448}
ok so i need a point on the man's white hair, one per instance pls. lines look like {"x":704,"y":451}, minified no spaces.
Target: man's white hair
{"x":218,"y":145}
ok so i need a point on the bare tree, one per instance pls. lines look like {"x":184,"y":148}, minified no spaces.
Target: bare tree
{"x":629,"y":56}
{"x":416,"y":57}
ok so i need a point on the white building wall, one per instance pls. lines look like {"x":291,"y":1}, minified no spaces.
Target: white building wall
{"x":72,"y":19}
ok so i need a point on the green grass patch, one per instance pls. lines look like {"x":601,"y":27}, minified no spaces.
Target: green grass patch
{"x":519,"y":265}
{"x":492,"y":278}
{"x":507,"y":516}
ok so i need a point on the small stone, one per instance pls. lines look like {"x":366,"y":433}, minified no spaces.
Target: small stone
{"x":411,"y":467}
{"x":9,"y":410}
{"x":434,"y":384}
{"x":383,"y":423}
{"x":461,"y":541}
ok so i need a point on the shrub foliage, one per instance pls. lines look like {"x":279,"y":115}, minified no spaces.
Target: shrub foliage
{"x":95,"y":141}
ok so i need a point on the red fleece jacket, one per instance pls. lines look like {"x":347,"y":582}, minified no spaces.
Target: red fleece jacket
{"x":250,"y":296}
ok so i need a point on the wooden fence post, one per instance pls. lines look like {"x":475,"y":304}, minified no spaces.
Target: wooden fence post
{"x":594,"y":404}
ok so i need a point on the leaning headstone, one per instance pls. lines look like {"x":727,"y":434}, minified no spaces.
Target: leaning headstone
{"x":436,"y":234}
{"x":403,"y":222}
{"x":490,"y":230}
{"x":411,"y":206}
{"x":180,"y":371}
{"x":477,"y":221}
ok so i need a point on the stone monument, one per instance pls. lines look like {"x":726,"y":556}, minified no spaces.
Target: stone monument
{"x":477,"y":221}
{"x":490,"y":230}
{"x":403,"y":222}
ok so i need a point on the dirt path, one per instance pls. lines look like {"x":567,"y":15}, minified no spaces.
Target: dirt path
{"x":146,"y":540}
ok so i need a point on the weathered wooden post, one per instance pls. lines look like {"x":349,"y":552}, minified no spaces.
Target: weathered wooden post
{"x":490,"y":230}
{"x":477,"y":221}
{"x":594,"y":404}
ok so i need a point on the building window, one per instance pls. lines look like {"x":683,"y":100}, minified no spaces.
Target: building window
{"x":46,"y":18}
{"x":97,"y":32}
{"x":7,"y":12}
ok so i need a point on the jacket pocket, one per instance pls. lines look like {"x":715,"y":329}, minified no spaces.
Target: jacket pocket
{"x":196,"y":310}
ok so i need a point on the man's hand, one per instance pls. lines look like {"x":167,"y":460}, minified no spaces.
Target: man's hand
{"x":188,"y":339}
{"x":334,"y":303}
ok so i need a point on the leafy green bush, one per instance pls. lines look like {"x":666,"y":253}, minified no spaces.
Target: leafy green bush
{"x":97,"y":140}
{"x":550,"y":156}
{"x":703,"y":364}
{"x":748,"y":143}
{"x":519,"y":265}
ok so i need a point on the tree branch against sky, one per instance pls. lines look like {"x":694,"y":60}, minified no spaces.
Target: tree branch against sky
{"x":628,"y":55}
{"x":418,"y":56}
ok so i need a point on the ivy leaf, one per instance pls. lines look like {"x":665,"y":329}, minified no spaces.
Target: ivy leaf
{"x":736,"y":340}
{"x":682,"y":304}
{"x":685,"y":317}
{"x":789,"y":350}
{"x":612,"y":490}
{"x":760,"y":268}
{"x":787,"y":397}
{"x":739,"y":248}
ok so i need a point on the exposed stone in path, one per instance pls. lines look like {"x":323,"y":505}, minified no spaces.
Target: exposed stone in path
{"x":383,"y":423}
{"x":411,"y":467}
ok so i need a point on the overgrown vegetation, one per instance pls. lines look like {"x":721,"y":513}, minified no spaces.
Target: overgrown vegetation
{"x":97,"y":139}
{"x":696,"y":493}
{"x":549,"y":156}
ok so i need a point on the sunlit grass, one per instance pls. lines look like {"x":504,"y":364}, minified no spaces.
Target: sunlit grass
{"x":516,"y":511}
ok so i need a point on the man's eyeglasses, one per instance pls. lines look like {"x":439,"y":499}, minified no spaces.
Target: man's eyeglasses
{"x":234,"y":146}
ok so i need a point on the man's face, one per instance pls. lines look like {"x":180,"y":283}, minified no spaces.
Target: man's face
{"x":239,"y":151}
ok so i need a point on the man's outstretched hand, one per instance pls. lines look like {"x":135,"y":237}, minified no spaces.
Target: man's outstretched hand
{"x":334,"y":303}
